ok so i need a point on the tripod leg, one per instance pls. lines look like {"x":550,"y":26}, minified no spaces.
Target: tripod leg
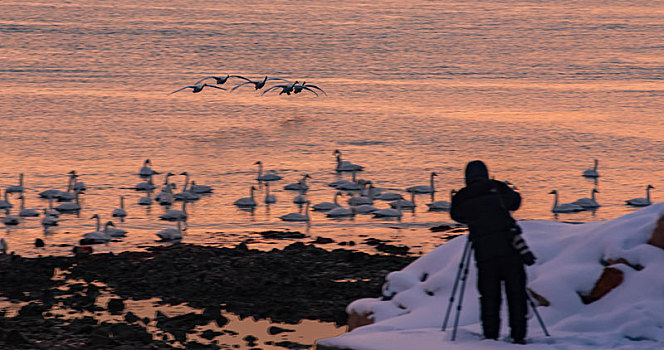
{"x":532,"y":305}
{"x":463,"y":288}
{"x":466,"y":249}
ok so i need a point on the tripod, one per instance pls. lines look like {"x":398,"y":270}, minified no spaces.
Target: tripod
{"x":462,"y":275}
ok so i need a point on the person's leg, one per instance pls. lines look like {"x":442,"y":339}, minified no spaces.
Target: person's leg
{"x":488,"y":285}
{"x":515,"y":290}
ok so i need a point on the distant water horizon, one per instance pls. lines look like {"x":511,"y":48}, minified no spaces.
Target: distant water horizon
{"x":536,"y":90}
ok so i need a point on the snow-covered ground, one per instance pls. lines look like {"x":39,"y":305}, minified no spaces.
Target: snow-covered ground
{"x":569,"y":263}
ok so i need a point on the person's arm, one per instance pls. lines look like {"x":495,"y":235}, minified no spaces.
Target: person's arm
{"x":456,"y":213}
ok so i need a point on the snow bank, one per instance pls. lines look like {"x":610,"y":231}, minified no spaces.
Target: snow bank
{"x":571,"y":258}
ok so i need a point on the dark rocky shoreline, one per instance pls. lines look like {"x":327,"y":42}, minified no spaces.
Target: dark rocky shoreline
{"x":298,"y":282}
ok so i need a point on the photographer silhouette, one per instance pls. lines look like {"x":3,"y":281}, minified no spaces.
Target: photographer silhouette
{"x":500,"y":251}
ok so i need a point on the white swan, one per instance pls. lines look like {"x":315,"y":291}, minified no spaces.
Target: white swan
{"x":300,"y":185}
{"x":26,"y":212}
{"x":360,"y":200}
{"x":269,"y":198}
{"x":198,"y":189}
{"x":441,"y":205}
{"x":247,"y":201}
{"x":327,"y":205}
{"x":343,"y":165}
{"x":56,"y":193}
{"x":51,"y":211}
{"x":174,"y":214}
{"x":197,"y":88}
{"x":365,"y":209}
{"x":146,"y":185}
{"x":588,"y":203}
{"x":171,"y":234}
{"x":4,"y":203}
{"x":258,"y":84}
{"x":49,"y":220}
{"x":404,"y":203}
{"x":641,"y":202}
{"x":69,"y":206}
{"x":165,"y":197}
{"x":297,"y":216}
{"x":16,"y":188}
{"x":565,"y":207}
{"x":389,"y":196}
{"x":592,"y":172}
{"x":111,"y":230}
{"x":300,"y":198}
{"x":120,"y":212}
{"x":97,"y":236}
{"x":422,"y":188}
{"x":146,"y":169}
{"x":186,"y":194}
{"x":147,"y":199}
{"x":77,"y":185}
{"x":339,"y":212}
{"x":389,"y":213}
{"x":285,"y":88}
{"x":271,"y":176}
{"x":11,"y":219}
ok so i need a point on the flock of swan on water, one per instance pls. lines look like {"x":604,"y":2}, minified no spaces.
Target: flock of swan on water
{"x":287,"y":87}
{"x":363,"y":195}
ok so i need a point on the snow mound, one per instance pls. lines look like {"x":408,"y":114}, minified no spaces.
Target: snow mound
{"x":571,"y":258}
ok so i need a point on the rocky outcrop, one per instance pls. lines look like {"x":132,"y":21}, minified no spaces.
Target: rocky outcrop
{"x":358,"y":320}
{"x":657,"y":238}
{"x":610,"y":279}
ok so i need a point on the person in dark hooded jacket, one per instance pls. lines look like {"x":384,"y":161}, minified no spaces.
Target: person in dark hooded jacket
{"x":484,"y":205}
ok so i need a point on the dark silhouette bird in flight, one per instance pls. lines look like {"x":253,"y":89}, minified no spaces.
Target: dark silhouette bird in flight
{"x":285,"y":88}
{"x":304,"y":86}
{"x":197,"y":88}
{"x":258,"y":84}
{"x":220,"y":80}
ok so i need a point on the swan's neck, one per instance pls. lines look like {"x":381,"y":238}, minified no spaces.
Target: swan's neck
{"x":306,"y":210}
{"x":260,"y":169}
{"x":98,"y":224}
{"x":251,"y":193}
{"x":592,"y":195}
{"x":338,"y":159}
{"x":50,"y":203}
{"x":555,"y":200}
{"x":431,"y":183}
{"x":335,"y":199}
{"x":647,"y":194}
{"x":595,"y":166}
{"x":184,"y":206}
{"x":186,"y":183}
{"x":121,"y":202}
{"x":412,"y":197}
{"x":20,"y":180}
{"x":22,"y":202}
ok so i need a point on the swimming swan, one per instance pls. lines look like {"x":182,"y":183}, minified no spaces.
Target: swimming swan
{"x":592,"y":172}
{"x":422,"y":188}
{"x":171,"y":234}
{"x":641,"y":202}
{"x":16,"y":188}
{"x":297,"y":216}
{"x":271,"y":176}
{"x":343,"y":165}
{"x":565,"y":207}
{"x":120,"y":212}
{"x":247,"y":201}
{"x":588,"y":203}
{"x":327,"y":205}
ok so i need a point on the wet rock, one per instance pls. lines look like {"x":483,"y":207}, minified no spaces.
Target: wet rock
{"x":277,"y":330}
{"x":115,"y":306}
{"x":32,"y":310}
{"x":251,"y":340}
{"x":610,"y":278}
{"x":210,"y":334}
{"x":125,"y":332}
{"x":657,"y":238}
{"x":39,"y":243}
{"x":271,"y":234}
{"x":323,"y":240}
{"x":292,"y":345}
{"x":356,"y":320}
{"x":130,"y":317}
{"x":96,"y":341}
{"x":14,"y":337}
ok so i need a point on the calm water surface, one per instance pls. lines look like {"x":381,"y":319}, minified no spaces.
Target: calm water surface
{"x":536,"y":89}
